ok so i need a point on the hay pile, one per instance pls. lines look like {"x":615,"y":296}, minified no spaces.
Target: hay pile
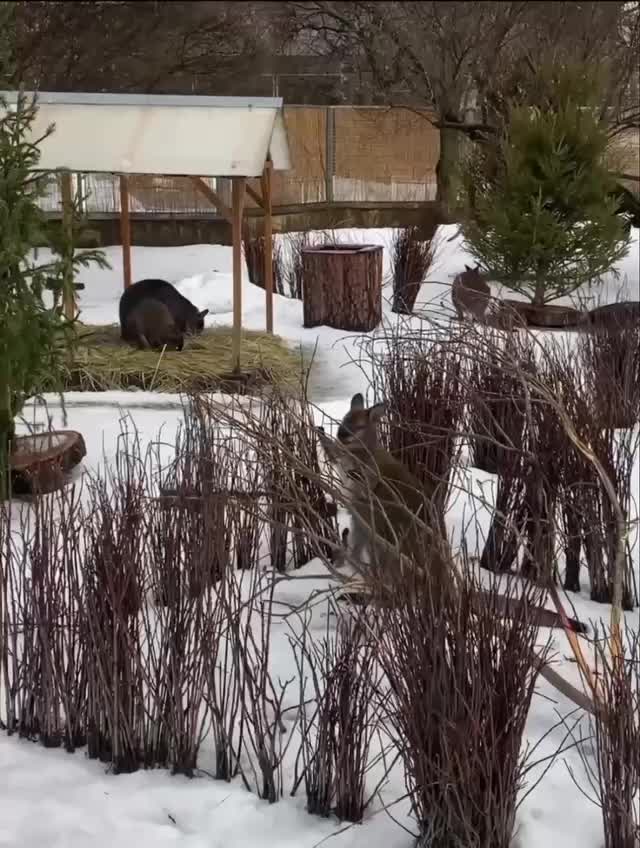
{"x":103,"y":362}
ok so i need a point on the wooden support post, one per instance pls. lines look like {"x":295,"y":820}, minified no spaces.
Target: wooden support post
{"x":268,"y":243}
{"x":125,"y":229}
{"x":68,"y":292}
{"x":238,"y":191}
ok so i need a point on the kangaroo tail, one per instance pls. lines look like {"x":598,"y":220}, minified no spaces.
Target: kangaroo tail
{"x":511,"y":608}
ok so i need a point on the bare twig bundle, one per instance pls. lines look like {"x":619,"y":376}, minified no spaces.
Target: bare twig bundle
{"x":613,"y":774}
{"x":336,"y":740}
{"x":113,"y":593}
{"x":249,"y":611}
{"x":591,"y":518}
{"x":496,"y":407}
{"x":56,"y":582}
{"x":294,"y":468}
{"x":411,"y":258}
{"x":279,"y":433}
{"x":225,"y":696}
{"x":610,"y":363}
{"x":500,"y":430}
{"x":421,"y":381}
{"x":295,"y":244}
{"x":254,"y":255}
{"x":178,"y":633}
{"x":22,"y":659}
{"x":461,"y":681}
{"x":44,"y":663}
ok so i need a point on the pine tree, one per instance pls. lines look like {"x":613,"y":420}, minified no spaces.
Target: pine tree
{"x":35,"y":337}
{"x":541,"y":211}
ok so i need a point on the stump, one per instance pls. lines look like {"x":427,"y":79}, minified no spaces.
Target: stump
{"x":342,"y":286}
{"x":39,"y":463}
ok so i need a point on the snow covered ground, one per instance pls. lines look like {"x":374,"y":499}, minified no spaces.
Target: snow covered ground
{"x":50,"y":798}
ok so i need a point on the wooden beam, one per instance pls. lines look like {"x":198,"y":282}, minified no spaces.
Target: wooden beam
{"x":125,"y":230}
{"x":268,"y":244}
{"x":68,"y":292}
{"x":213,"y":197}
{"x":238,"y":192}
{"x":253,"y":194}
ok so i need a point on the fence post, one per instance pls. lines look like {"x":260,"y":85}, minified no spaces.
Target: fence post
{"x":330,"y":153}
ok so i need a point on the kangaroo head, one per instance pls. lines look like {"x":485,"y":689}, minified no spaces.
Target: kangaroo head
{"x":359,"y":425}
{"x":195,"y":325}
{"x":470,"y":273}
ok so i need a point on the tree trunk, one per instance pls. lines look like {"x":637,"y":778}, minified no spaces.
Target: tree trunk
{"x":447,"y":174}
{"x":342,"y":286}
{"x":538,"y":295}
{"x":7,"y":432}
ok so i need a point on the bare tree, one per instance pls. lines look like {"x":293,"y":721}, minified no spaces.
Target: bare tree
{"x":463,"y":60}
{"x":146,"y":47}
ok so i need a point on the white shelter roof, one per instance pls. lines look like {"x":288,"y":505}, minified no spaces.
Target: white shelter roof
{"x":172,"y":135}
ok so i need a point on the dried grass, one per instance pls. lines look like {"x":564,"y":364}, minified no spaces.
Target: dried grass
{"x":103,"y":362}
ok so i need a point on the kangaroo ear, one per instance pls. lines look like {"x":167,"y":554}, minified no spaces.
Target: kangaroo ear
{"x":203,"y":313}
{"x":357,"y":402}
{"x":477,"y":268}
{"x":466,"y":267}
{"x":376,"y":412}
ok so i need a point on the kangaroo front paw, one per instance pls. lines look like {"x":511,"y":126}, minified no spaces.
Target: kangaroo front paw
{"x":339,"y":556}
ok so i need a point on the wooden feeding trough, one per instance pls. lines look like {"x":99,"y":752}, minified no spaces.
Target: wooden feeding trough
{"x":342,"y":286}
{"x":39,"y":463}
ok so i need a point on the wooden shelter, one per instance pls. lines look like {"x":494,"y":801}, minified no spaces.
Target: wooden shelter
{"x":169,"y":135}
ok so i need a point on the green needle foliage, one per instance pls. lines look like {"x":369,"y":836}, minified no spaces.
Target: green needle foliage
{"x":541,"y":209}
{"x":35,"y":337}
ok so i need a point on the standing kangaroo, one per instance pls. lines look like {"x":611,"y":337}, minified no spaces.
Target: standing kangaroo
{"x":388,"y":505}
{"x":360,"y":460}
{"x":470,"y":294}
{"x":394,"y":514}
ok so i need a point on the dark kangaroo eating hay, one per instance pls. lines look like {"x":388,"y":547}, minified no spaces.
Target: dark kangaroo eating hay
{"x":187,"y":317}
{"x":151,"y":325}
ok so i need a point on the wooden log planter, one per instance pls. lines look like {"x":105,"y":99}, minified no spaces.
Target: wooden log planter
{"x":549,"y":317}
{"x":40,"y":463}
{"x":342,"y":286}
